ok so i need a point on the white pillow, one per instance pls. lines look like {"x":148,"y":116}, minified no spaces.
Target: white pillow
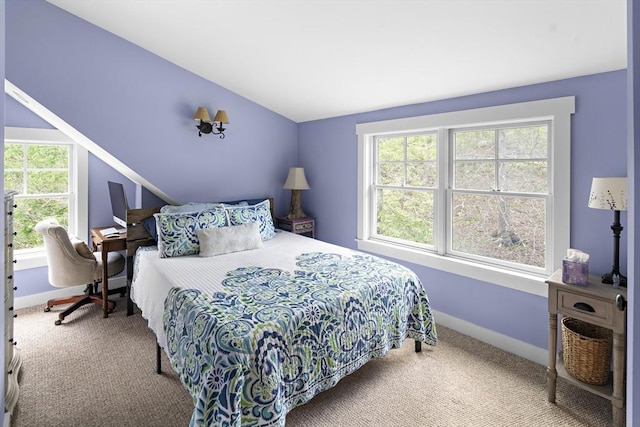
{"x":260,"y":212}
{"x":224,"y":240}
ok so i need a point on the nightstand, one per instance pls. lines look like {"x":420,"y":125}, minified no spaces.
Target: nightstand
{"x":599,"y":304}
{"x":303,"y":226}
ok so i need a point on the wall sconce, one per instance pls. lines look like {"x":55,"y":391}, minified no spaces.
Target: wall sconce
{"x":207,"y":125}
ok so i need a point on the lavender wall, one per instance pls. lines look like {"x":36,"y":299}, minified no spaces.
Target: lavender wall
{"x":19,"y":116}
{"x":139,"y":107}
{"x":598,"y":132}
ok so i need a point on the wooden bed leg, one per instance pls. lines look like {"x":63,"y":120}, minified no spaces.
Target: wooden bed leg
{"x":418,"y":346}
{"x":158,"y":360}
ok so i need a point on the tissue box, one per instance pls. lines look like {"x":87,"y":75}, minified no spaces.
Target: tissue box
{"x":575,"y":272}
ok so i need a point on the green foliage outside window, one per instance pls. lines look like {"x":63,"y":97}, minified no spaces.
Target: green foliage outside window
{"x":406,"y":176}
{"x":405,"y":215}
{"x":499,"y":184}
{"x":40,"y":175}
{"x":506,"y":228}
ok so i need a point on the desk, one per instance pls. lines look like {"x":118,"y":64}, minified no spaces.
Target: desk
{"x":106,"y":245}
{"x":599,"y":304}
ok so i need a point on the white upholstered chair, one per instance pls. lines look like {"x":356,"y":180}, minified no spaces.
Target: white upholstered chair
{"x":72,"y":263}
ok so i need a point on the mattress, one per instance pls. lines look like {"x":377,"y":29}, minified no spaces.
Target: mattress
{"x":153,"y":276}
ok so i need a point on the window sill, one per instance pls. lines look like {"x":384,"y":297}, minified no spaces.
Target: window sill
{"x":509,"y":279}
{"x":30,"y":260}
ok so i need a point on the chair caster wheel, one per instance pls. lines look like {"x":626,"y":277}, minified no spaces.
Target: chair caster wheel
{"x":47,"y":309}
{"x":58,"y":322}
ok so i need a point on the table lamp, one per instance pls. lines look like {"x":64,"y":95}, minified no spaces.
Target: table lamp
{"x":296,"y":181}
{"x":611,"y":194}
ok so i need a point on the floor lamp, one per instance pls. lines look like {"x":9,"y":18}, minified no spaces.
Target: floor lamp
{"x":611,"y":194}
{"x":296,"y":181}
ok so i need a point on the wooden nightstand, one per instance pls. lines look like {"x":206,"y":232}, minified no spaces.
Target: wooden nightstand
{"x":304,"y":226}
{"x":599,"y":304}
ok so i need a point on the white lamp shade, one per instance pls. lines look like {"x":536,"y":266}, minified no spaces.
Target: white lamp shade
{"x":296,"y":180}
{"x":609,"y":193}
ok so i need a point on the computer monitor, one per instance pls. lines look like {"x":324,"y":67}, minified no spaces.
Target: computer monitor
{"x":119,"y":204}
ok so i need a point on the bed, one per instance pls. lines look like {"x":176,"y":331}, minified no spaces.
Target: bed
{"x":256,"y":331}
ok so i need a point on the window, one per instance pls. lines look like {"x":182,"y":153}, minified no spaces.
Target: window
{"x":49,"y":172}
{"x":482,"y":193}
{"x":405,"y":187}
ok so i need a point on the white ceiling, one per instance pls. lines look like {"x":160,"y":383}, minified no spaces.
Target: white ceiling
{"x":313,"y":59}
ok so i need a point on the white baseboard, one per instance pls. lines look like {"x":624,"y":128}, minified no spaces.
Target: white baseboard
{"x":503,"y":342}
{"x":43,"y":297}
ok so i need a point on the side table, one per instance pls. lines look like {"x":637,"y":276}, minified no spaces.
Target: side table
{"x":599,"y":304}
{"x":303,"y":226}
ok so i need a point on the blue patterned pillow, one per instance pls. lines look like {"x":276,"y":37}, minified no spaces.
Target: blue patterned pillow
{"x":260,"y":213}
{"x":189,"y":207}
{"x":177,"y":231}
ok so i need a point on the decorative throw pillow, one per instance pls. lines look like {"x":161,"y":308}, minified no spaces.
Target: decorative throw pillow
{"x":177,"y":231}
{"x":82,"y":248}
{"x":260,"y":213}
{"x":189,"y":207}
{"x":224,"y":240}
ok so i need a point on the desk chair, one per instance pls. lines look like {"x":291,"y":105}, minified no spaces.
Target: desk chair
{"x":71,"y":263}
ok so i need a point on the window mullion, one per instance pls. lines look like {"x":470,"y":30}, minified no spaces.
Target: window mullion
{"x":24,"y":168}
{"x":445,"y":183}
{"x":496,"y":161}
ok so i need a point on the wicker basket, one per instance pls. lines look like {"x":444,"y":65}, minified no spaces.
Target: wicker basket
{"x":586,"y":350}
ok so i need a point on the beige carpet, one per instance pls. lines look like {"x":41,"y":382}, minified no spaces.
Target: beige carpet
{"x":92,"y":371}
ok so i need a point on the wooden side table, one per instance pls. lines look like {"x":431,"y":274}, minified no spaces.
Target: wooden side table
{"x":599,"y":304}
{"x":106,"y":245}
{"x":303,"y":226}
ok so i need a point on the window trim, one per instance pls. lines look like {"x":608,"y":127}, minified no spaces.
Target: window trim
{"x":79,"y":174}
{"x":558,"y":110}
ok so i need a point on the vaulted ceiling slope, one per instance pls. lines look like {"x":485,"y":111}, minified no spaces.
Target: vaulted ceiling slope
{"x":314,"y":59}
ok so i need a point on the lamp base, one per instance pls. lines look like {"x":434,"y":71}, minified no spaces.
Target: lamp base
{"x":295,"y":208}
{"x":608,"y":278}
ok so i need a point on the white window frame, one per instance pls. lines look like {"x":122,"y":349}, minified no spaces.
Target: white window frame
{"x":79,"y":200}
{"x":558,"y":110}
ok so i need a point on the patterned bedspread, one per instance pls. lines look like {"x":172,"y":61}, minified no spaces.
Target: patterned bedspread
{"x":274,"y":339}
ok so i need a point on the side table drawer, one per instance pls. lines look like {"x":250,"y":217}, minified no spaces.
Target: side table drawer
{"x":570,"y":303}
{"x":303,"y":227}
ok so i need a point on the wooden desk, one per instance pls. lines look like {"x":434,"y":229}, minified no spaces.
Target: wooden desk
{"x":599,"y":304}
{"x":106,"y":245}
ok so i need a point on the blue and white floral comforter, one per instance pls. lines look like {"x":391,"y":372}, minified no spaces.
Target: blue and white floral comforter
{"x":273,"y":339}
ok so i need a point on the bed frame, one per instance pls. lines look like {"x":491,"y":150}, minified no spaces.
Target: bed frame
{"x":137,"y":236}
